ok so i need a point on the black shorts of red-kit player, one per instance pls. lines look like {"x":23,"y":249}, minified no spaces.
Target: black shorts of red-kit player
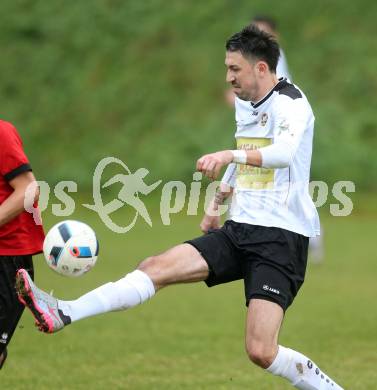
{"x":10,"y":308}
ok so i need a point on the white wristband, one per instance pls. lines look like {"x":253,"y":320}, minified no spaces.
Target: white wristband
{"x":239,"y":156}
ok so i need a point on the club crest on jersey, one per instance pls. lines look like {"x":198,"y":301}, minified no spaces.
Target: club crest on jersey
{"x":264,"y":119}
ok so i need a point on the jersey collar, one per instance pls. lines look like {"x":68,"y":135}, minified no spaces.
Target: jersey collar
{"x":282,"y":82}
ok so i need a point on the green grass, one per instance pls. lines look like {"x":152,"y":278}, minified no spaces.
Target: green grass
{"x":191,"y":337}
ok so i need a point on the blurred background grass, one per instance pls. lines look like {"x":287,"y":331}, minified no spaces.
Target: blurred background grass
{"x":144,"y":81}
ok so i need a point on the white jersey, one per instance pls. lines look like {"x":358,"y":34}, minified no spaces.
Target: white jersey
{"x":275,"y":195}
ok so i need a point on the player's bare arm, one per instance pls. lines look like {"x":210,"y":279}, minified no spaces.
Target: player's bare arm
{"x":15,"y":203}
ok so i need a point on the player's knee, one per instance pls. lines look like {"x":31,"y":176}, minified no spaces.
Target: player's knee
{"x":149,"y":264}
{"x":154,"y":267}
{"x":260,"y":353}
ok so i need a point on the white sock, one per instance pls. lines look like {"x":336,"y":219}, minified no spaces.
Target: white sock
{"x":134,"y":289}
{"x":300,"y":371}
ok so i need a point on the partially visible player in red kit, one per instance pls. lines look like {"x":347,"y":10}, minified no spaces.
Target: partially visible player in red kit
{"x":21,"y":236}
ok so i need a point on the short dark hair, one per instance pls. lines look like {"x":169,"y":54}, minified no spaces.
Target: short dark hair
{"x":266,"y":20}
{"x":256,"y":45}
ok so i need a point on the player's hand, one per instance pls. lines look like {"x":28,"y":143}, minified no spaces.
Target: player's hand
{"x":211,"y":164}
{"x":211,"y":219}
{"x":209,"y":222}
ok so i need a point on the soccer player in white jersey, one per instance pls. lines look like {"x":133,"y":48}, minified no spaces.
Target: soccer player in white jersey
{"x":242,"y":108}
{"x":265,"y":243}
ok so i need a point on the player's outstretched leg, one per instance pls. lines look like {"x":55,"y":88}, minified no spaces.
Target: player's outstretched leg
{"x":180,"y":264}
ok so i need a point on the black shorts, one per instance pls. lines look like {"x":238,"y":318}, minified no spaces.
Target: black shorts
{"x":270,"y":260}
{"x":10,"y":308}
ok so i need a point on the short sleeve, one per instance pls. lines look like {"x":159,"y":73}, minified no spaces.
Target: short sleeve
{"x":13,"y":160}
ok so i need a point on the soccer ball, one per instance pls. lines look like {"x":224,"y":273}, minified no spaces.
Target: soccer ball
{"x":71,"y":248}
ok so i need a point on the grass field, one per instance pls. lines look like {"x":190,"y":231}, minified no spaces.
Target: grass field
{"x":191,"y":337}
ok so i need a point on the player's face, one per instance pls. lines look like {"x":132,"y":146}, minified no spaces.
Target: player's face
{"x":242,"y":75}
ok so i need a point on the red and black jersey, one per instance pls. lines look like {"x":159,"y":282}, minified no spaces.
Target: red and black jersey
{"x":20,"y":236}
